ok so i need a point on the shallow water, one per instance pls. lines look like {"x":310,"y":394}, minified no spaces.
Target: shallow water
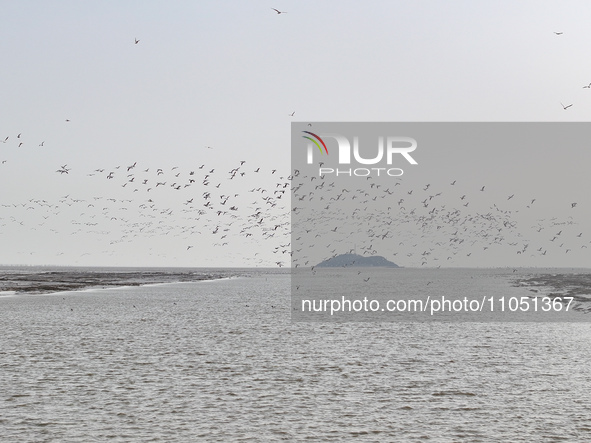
{"x":222,"y":361}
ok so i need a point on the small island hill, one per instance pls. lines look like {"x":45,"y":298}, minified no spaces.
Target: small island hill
{"x":357,"y":261}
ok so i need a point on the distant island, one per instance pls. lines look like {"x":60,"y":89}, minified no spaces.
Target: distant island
{"x":354,"y":260}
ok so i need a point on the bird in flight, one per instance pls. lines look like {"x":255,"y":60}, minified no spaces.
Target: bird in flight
{"x":278,"y":11}
{"x":588,"y":86}
{"x":292,"y":114}
{"x":558,"y":33}
{"x":136,"y":41}
{"x":566,"y":107}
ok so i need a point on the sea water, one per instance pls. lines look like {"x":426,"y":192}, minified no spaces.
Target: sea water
{"x":222,"y":360}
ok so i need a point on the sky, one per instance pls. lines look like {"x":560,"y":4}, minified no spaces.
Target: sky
{"x":212,"y":84}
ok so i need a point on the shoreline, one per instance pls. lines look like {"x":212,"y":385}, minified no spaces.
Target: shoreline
{"x":43,"y":283}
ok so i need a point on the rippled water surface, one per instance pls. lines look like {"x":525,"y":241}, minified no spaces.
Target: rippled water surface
{"x":222,"y":361}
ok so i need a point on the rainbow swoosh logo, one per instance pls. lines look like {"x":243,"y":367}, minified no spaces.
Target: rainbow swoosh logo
{"x":314,"y":141}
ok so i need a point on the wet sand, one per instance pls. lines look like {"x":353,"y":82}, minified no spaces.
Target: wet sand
{"x":71,"y":280}
{"x":550,"y":285}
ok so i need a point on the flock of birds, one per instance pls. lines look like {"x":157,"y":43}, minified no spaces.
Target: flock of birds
{"x":200,"y":208}
{"x":300,"y":219}
{"x":196,"y":208}
{"x":203,"y":206}
{"x":434,"y":225}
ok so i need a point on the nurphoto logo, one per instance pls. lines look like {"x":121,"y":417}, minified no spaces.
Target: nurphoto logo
{"x":363,"y":154}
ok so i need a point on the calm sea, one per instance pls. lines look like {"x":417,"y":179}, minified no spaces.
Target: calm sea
{"x":222,"y":361}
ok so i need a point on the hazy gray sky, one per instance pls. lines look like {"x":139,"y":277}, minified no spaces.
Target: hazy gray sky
{"x":227,"y":75}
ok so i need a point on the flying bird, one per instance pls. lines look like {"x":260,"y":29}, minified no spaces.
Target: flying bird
{"x":566,"y":107}
{"x":278,"y":11}
{"x":136,"y":41}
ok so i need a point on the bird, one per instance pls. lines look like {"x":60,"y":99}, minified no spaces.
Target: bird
{"x":566,"y":107}
{"x":136,"y":41}
{"x":558,"y":33}
{"x":292,"y":114}
{"x":588,"y":86}
{"x":278,"y":11}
